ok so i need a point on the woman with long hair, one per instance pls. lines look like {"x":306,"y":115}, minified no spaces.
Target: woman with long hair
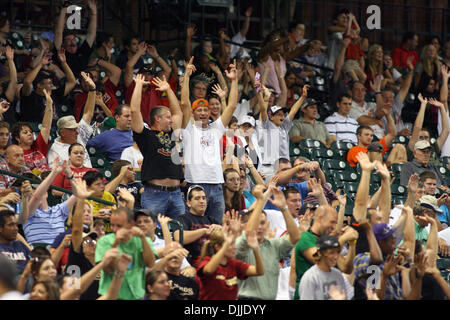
{"x":45,"y":290}
{"x":374,"y":65}
{"x":232,"y":194}
{"x":157,"y":285}
{"x":219,"y":271}
{"x":429,"y":67}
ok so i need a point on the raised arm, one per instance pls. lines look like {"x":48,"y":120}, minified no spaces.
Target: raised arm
{"x":360,"y":208}
{"x":129,"y":68}
{"x":12,"y":85}
{"x":137,"y":122}
{"x":406,"y":85}
{"x":151,"y":50}
{"x":26,"y":192}
{"x":213,"y":264}
{"x":317,"y":191}
{"x":261,"y":200}
{"x":233,"y":98}
{"x":185,"y":99}
{"x":174,"y":104}
{"x":27,"y":87}
{"x":246,"y":24}
{"x":219,"y":75}
{"x":190,"y":32}
{"x":78,"y":212}
{"x":280,"y":202}
{"x":445,"y":125}
{"x":114,"y":71}
{"x":88,"y":113}
{"x":444,"y":86}
{"x":258,"y":268}
{"x":299,"y":102}
{"x":48,"y":117}
{"x":418,"y":123}
{"x":59,"y":28}
{"x":385,"y":195}
{"x":282,"y":97}
{"x":392,"y":129}
{"x":71,"y":81}
{"x":92,"y":28}
{"x":340,"y":60}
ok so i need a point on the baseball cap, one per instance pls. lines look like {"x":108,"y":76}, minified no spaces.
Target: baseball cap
{"x":422,"y":144}
{"x":91,"y":234}
{"x":382,"y":231}
{"x":67,"y":122}
{"x":327,"y":242}
{"x":308,"y":102}
{"x":146,"y":68}
{"x":248,"y":119}
{"x":375,"y":147}
{"x":200,"y":103}
{"x":430,"y":202}
{"x":274,"y":109}
{"x":145,"y":212}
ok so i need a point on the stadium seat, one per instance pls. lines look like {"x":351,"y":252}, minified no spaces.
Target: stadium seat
{"x":310,"y":143}
{"x":445,"y":161}
{"x":295,"y":150}
{"x":340,"y":145}
{"x":322,"y":153}
{"x":173,"y":225}
{"x":334,"y":164}
{"x":400,"y":139}
{"x":398,"y":190}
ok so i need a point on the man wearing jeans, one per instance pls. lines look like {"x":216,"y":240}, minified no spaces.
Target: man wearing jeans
{"x":160,"y":175}
{"x":201,"y":140}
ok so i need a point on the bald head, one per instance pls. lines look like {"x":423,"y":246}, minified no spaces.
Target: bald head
{"x":15,"y":158}
{"x":325,"y":220}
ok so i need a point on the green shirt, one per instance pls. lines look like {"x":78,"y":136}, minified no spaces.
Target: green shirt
{"x":421,"y":233}
{"x":307,"y":130}
{"x":307,"y":240}
{"x":133,"y":285}
{"x":272,"y":252}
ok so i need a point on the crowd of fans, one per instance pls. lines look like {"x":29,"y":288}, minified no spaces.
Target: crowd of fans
{"x":133,"y":176}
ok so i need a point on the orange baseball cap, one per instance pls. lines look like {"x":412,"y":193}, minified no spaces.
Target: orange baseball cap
{"x":200,"y":103}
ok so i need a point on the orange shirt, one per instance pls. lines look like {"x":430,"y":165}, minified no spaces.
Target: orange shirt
{"x":353,"y":152}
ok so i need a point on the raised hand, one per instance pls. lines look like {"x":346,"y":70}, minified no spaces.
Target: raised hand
{"x":235,"y":223}
{"x":409,"y":63}
{"x":123,"y":262}
{"x":376,"y":84}
{"x":189,"y":67}
{"x":305,"y":221}
{"x":48,"y":96}
{"x":305,"y":90}
{"x":4,"y":106}
{"x":163,"y":220}
{"x":444,"y":71}
{"x":137,"y":232}
{"x":232,"y":74}
{"x":228,"y":234}
{"x":422,"y":99}
{"x":142,"y":48}
{"x":217,"y":89}
{"x":252,"y":240}
{"x":66,"y":241}
{"x":342,"y":198}
{"x":80,"y":189}
{"x":436,"y":103}
{"x":111,"y":255}
{"x":335,"y":293}
{"x":92,"y":5}
{"x":140,"y":80}
{"x":62,"y":56}
{"x":89,"y":80}
{"x":382,"y":170}
{"x":248,"y":12}
{"x":46,"y":59}
{"x":26,"y":190}
{"x":125,"y":195}
{"x":161,"y":85}
{"x":413,"y":183}
{"x":391,"y":265}
{"x":315,"y":187}
{"x":364,"y":162}
{"x":151,"y":50}
{"x":279,"y":200}
{"x":190,"y":31}
{"x":258,"y":191}
{"x":9,"y":53}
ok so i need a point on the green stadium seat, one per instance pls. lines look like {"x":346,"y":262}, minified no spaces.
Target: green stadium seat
{"x":334,"y":164}
{"x":398,"y":190}
{"x":322,"y":153}
{"x":310,"y":143}
{"x":400,"y":139}
{"x":295,"y":150}
{"x":445,"y":161}
{"x":340,"y":145}
{"x":173,"y":225}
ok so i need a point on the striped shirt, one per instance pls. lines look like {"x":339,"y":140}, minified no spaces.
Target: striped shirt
{"x":344,"y":128}
{"x":44,"y":225}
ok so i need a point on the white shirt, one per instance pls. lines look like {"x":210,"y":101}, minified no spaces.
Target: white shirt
{"x":273,"y":140}
{"x":132,"y":155}
{"x":202,"y":160}
{"x":13,"y":295}
{"x":368,"y":109}
{"x":61,"y":150}
{"x":234,"y":49}
{"x":344,"y":128}
{"x":445,"y":152}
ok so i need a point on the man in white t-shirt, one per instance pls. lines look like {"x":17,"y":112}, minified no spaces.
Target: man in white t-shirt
{"x":201,"y":142}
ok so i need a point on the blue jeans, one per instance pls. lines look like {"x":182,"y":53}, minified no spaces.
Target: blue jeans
{"x":215,"y":202}
{"x":167,"y":203}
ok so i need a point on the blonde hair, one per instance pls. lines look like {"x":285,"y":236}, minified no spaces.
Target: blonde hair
{"x":70,"y":217}
{"x":375,"y":66}
{"x":427,"y":63}
{"x":208,"y":248}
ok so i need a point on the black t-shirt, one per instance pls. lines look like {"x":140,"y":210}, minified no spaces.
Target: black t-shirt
{"x":157,"y":148}
{"x":78,"y":259}
{"x":78,"y":61}
{"x":182,"y":288}
{"x":132,"y":188}
{"x":32,"y":107}
{"x":192,"y":222}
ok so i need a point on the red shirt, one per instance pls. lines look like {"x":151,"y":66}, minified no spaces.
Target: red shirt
{"x":354,"y":51}
{"x":62,"y":182}
{"x":150,"y":99}
{"x":35,"y":157}
{"x":400,"y":55}
{"x":353,"y":152}
{"x":222,"y":284}
{"x":109,"y":98}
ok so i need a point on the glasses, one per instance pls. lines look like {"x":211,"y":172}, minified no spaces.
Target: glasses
{"x":89,"y":241}
{"x":200,"y":88}
{"x":195,"y":186}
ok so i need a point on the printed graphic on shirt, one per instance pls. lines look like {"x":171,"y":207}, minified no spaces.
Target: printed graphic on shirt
{"x":166,"y":142}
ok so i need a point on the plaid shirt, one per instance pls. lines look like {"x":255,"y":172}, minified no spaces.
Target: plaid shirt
{"x":393,"y":284}
{"x":5,"y":180}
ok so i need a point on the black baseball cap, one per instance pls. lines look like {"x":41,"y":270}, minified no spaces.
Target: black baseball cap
{"x":144,"y":212}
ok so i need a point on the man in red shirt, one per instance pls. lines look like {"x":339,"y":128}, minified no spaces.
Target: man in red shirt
{"x":401,"y":54}
{"x":110,"y":83}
